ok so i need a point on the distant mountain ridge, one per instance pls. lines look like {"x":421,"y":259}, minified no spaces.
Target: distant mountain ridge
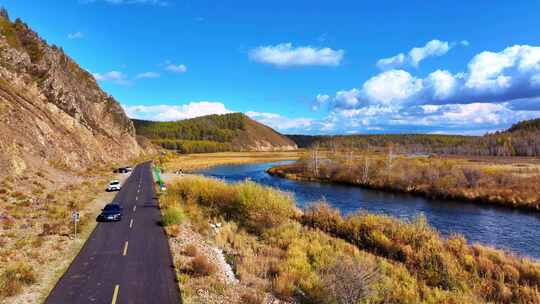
{"x":53,"y":114}
{"x":213,"y":133}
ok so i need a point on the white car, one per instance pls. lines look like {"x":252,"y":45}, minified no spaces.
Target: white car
{"x":113,"y":186}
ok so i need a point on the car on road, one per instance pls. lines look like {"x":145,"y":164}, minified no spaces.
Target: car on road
{"x":110,"y":213}
{"x":122,"y":170}
{"x":113,"y":186}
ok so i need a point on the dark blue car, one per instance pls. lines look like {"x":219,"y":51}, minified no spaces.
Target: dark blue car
{"x":110,"y":213}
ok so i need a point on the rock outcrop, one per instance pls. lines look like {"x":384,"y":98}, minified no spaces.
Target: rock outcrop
{"x":52,"y":112}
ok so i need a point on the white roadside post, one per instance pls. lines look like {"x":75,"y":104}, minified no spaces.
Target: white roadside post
{"x":75,"y":217}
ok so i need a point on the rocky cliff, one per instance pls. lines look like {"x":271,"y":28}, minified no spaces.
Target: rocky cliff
{"x":52,"y":112}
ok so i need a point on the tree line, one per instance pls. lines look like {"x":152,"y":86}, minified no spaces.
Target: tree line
{"x":219,"y":128}
{"x":522,"y":139}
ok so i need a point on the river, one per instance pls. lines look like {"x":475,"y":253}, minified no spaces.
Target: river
{"x":513,"y":230}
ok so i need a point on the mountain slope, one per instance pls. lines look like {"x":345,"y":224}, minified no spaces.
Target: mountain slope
{"x":52,"y":112}
{"x":212,"y":133}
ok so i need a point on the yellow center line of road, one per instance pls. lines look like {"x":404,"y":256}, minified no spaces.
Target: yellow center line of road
{"x":131,"y":223}
{"x":125,"y":248}
{"x":115,"y":294}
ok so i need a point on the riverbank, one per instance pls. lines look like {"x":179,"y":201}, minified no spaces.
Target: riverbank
{"x":491,"y":181}
{"x":277,"y":252}
{"x":172,"y":162}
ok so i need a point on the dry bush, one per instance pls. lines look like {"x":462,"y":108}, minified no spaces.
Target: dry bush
{"x":472,"y":176}
{"x":190,"y":250}
{"x":252,"y":297}
{"x":200,"y":266}
{"x":347,"y":281}
{"x":14,"y":278}
{"x":449,"y":265}
{"x":291,"y":257}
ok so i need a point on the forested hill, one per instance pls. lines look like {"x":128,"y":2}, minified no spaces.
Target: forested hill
{"x":214,"y":133}
{"x":522,"y":139}
{"x":526,"y":126}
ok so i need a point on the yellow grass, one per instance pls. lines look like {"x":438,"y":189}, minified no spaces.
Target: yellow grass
{"x":49,"y":255}
{"x":187,"y":162}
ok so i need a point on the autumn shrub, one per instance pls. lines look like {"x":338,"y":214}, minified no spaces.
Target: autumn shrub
{"x":255,"y":207}
{"x":172,"y":216}
{"x":14,"y":278}
{"x":432,"y":177}
{"x":252,"y":297}
{"x":449,"y":265}
{"x":377,"y":258}
{"x":190,"y":250}
{"x":200,"y":266}
{"x":347,"y":281}
{"x":261,"y":208}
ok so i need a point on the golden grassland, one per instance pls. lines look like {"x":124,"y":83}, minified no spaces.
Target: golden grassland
{"x":506,"y":181}
{"x":318,"y":256}
{"x":173,"y":162}
{"x":36,"y":232}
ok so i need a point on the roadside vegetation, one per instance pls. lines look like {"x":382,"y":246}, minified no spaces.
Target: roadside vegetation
{"x":36,"y":231}
{"x":317,"y":256}
{"x":503,"y":181}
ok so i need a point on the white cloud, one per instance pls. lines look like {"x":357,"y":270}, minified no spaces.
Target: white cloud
{"x":474,"y":118}
{"x":75,"y":35}
{"x":392,"y":62}
{"x":443,"y":84}
{"x":286,"y":55}
{"x":175,"y":112}
{"x":348,"y":99}
{"x":180,"y":68}
{"x":148,"y":75}
{"x":496,"y":90}
{"x":492,"y":77}
{"x":320,"y":100}
{"x":391,"y":87}
{"x":112,"y":76}
{"x":432,"y":48}
{"x":280,"y":122}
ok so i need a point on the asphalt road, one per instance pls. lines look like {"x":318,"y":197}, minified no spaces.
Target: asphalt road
{"x":127,"y":261}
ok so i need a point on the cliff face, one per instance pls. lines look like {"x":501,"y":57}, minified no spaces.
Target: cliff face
{"x":52,"y":112}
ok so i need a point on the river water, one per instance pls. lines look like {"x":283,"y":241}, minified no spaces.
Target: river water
{"x":513,"y":230}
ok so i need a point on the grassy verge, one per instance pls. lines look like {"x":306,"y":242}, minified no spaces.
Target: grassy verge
{"x":502,"y":181}
{"x":36,"y":231}
{"x":317,"y":256}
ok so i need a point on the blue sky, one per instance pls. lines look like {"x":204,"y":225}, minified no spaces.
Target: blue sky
{"x":331,"y":67}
